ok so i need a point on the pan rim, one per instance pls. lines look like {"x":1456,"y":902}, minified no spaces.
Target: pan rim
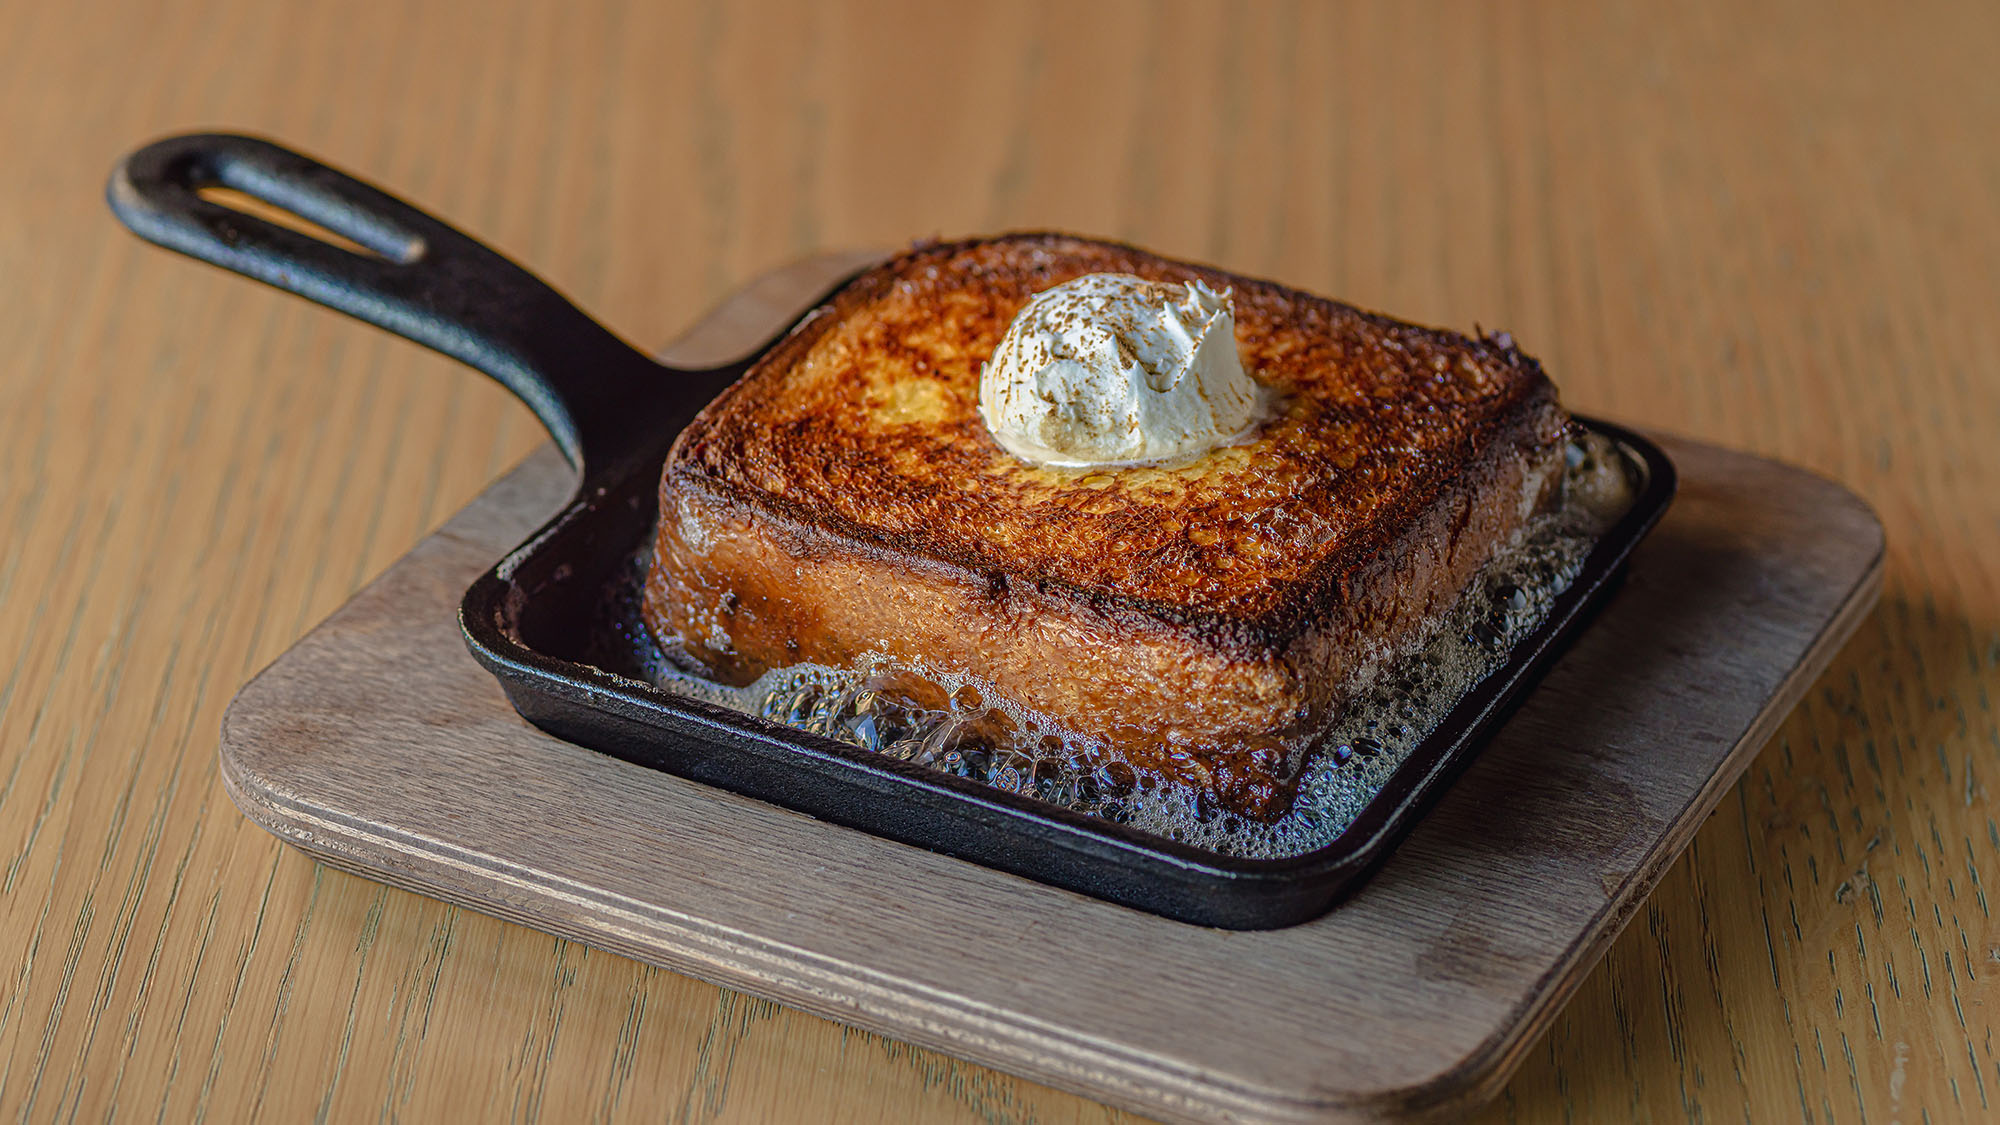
{"x":494,"y":601}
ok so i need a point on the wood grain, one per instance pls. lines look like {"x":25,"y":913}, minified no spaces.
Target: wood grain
{"x":358,"y":743}
{"x":1768,"y":226}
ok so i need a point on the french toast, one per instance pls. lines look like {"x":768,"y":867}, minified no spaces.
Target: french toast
{"x":843,"y":504}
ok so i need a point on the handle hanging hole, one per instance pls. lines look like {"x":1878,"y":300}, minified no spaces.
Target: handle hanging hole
{"x":256,"y":208}
{"x":320,"y":210}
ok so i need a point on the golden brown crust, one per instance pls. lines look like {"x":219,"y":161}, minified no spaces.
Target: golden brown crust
{"x":844,"y":499}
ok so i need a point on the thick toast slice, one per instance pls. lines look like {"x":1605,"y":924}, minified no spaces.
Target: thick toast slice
{"x":843,"y":504}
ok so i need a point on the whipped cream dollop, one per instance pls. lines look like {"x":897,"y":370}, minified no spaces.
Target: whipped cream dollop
{"x":1113,"y":369}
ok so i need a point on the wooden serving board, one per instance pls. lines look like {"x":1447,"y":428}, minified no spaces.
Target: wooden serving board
{"x":377,"y":745}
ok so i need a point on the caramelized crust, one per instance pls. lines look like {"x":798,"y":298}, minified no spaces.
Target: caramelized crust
{"x":844,"y":502}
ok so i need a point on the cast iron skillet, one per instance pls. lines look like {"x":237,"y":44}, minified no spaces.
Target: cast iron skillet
{"x":614,"y":412}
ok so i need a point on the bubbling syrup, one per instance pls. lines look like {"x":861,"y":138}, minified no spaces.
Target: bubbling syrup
{"x":981,"y":737}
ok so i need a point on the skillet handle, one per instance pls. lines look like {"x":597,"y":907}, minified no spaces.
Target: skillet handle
{"x":418,"y":278}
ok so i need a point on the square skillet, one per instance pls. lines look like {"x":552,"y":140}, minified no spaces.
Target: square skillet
{"x":614,"y":413}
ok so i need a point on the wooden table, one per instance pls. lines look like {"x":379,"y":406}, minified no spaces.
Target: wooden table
{"x":1773,"y":229}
